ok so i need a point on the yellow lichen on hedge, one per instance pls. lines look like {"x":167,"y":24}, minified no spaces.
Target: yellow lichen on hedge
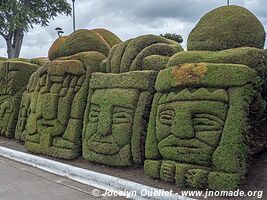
{"x":189,"y":73}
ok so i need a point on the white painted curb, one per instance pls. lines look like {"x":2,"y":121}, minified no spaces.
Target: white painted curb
{"x":98,"y":180}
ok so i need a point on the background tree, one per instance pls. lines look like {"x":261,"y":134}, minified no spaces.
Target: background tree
{"x":18,"y":16}
{"x":173,"y":36}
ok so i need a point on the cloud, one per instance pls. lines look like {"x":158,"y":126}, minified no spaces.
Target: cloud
{"x":128,"y":19}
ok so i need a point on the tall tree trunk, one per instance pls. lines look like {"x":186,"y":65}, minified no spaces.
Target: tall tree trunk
{"x":14,"y":43}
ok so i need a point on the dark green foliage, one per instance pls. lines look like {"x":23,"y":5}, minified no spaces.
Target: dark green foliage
{"x":173,"y":36}
{"x":14,"y":77}
{"x":227,"y":27}
{"x":116,"y":117}
{"x":24,"y":14}
{"x":17,"y":17}
{"x":99,"y":40}
{"x":131,"y":55}
{"x":199,"y":123}
{"x":52,"y":107}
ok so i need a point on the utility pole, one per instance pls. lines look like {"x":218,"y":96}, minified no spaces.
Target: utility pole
{"x":73,"y":13}
{"x":228,"y":2}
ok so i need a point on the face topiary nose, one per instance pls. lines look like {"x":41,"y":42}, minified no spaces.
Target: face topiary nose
{"x":104,"y":127}
{"x":182,"y":126}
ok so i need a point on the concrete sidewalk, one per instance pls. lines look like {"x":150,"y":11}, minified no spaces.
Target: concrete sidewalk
{"x":18,"y":181}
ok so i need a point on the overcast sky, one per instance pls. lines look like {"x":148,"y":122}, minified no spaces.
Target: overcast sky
{"x":130,"y":18}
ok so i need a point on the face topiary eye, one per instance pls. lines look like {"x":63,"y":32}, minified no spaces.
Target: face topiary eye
{"x":94,"y":114}
{"x":122,"y":115}
{"x":167,"y":117}
{"x":207,"y":122}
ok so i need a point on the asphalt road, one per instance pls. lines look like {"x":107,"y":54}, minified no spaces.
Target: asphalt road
{"x":18,"y":181}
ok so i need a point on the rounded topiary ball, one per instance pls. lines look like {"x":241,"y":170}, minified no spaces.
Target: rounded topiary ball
{"x":227,"y":27}
{"x":83,"y":40}
{"x":53,"y":52}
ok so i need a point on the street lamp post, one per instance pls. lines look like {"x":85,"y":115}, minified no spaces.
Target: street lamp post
{"x":73,"y":13}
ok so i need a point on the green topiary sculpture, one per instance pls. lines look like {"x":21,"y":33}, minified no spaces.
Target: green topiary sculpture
{"x":118,"y":103}
{"x":115,"y":117}
{"x":14,"y":77}
{"x":198,"y":125}
{"x":54,"y":51}
{"x":83,"y":40}
{"x":249,"y":56}
{"x":147,"y":52}
{"x":52,"y":108}
{"x":227,"y":27}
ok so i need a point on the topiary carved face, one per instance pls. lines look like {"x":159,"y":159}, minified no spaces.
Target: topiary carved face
{"x":189,"y":131}
{"x":6,"y":109}
{"x":116,"y":116}
{"x":197,"y":125}
{"x":110,"y":120}
{"x":53,"y":128}
{"x":23,"y":117}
